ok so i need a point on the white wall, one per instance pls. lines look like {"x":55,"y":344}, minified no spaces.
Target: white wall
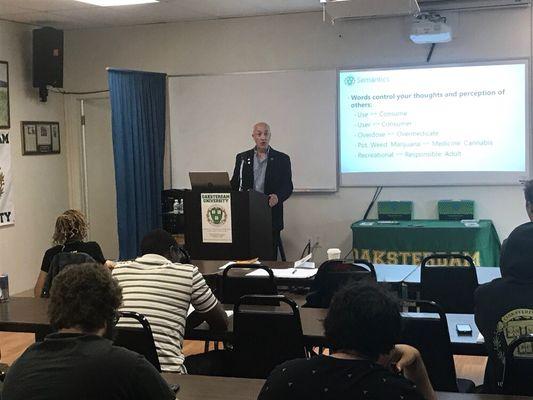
{"x":302,"y":41}
{"x":39,"y":182}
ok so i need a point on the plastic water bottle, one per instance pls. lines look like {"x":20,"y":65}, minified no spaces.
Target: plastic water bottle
{"x":180,"y":207}
{"x":176,"y":206}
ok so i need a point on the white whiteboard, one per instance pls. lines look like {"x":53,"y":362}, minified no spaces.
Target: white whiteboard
{"x":211,"y":120}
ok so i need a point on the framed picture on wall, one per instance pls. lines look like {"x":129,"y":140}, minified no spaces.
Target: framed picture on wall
{"x":40,"y":137}
{"x":44,"y":138}
{"x":56,"y":146}
{"x":4,"y":95}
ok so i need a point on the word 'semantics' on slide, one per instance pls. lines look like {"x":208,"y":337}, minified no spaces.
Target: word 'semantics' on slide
{"x":433,"y":125}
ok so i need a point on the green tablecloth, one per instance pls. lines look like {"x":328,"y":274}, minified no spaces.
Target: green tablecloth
{"x":408,"y":242}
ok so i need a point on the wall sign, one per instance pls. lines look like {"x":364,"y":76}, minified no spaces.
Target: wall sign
{"x":40,"y":138}
{"x":216,"y":217}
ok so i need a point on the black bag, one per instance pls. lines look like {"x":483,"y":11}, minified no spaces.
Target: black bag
{"x":59,"y":262}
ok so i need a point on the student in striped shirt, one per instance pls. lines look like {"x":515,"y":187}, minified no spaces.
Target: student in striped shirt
{"x":162,"y":289}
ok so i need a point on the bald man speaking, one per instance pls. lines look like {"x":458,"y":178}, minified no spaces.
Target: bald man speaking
{"x":267,"y":171}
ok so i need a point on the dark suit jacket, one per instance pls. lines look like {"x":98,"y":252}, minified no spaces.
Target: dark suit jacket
{"x":278,"y":179}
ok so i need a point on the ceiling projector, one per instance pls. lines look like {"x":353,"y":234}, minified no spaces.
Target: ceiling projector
{"x":430,"y":28}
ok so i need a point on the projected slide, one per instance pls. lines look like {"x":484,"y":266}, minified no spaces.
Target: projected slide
{"x":433,"y":121}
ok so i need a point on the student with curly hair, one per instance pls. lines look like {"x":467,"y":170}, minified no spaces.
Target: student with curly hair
{"x":362,"y":327}
{"x":70,"y":231}
{"x":80,"y":361}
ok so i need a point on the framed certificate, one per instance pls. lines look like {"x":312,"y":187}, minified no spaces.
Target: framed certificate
{"x":4,"y":96}
{"x":40,"y":137}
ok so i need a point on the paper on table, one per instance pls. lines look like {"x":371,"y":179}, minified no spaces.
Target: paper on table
{"x":303,"y":260}
{"x":307,"y":265}
{"x":480,"y":338}
{"x":297,"y":273}
{"x":229,"y":313}
{"x":190,"y":310}
{"x":238,"y":262}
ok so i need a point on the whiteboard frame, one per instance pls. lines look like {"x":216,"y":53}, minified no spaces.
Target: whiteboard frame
{"x":335,"y":128}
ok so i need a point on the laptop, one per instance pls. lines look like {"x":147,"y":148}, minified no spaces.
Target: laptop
{"x":209,"y":180}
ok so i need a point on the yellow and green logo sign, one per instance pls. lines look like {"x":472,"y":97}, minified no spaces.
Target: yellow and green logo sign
{"x":216,"y":215}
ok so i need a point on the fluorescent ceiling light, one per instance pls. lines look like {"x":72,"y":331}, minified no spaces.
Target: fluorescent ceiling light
{"x":111,"y":3}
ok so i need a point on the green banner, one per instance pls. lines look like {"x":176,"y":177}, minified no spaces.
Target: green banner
{"x":408,"y":242}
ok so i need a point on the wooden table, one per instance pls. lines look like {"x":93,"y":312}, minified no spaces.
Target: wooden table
{"x":196,"y":387}
{"x":24,"y":314}
{"x":313,"y":330}
{"x":484,"y":275}
{"x":28,"y":314}
{"x":394,"y":274}
{"x":211,"y":267}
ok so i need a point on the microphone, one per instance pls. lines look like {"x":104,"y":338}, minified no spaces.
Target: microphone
{"x":240,"y":174}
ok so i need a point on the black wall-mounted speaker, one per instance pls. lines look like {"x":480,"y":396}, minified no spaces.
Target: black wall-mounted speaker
{"x":47,"y":57}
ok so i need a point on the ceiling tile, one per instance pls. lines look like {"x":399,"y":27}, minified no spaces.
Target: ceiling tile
{"x":288,"y":6}
{"x":42,"y":19}
{"x":158,"y":12}
{"x":71,"y":14}
{"x":46,"y":5}
{"x":225,"y":8}
{"x":8,"y":8}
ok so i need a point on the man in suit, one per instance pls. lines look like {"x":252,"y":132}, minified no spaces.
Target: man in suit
{"x":267,"y":171}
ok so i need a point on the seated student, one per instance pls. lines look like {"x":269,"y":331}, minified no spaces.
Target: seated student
{"x":362,"y":326}
{"x":504,"y":307}
{"x":70,"y":230}
{"x":79,"y":361}
{"x":159,"y":287}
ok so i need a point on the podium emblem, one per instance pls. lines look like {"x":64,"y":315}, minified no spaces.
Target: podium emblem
{"x":216,"y":215}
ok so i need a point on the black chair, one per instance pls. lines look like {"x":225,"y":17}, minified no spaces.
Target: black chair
{"x":138,"y":339}
{"x":429,"y":334}
{"x":236,"y":286}
{"x":518,"y":368}
{"x":450,"y":287}
{"x":59,"y":262}
{"x":332,"y":275}
{"x":265,"y":336}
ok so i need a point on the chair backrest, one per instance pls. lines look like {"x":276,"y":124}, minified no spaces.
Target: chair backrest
{"x":138,"y":339}
{"x":236,"y":286}
{"x":450,"y":287}
{"x":429,"y":334}
{"x":59,"y":262}
{"x":265,"y":336}
{"x":518,"y":368}
{"x":332,"y":275}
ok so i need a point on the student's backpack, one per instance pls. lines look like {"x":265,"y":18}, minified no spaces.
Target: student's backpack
{"x":59,"y":262}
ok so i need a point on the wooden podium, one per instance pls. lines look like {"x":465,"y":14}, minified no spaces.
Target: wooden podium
{"x":251,"y":228}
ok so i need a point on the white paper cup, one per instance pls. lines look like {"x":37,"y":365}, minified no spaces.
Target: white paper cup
{"x":334,"y":254}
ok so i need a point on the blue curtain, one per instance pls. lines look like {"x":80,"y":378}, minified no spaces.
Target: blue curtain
{"x":138,"y":118}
